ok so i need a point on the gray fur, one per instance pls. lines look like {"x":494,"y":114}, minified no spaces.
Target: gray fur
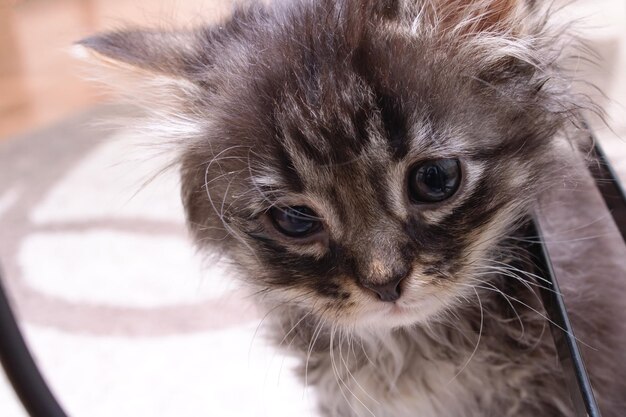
{"x":329,"y":105}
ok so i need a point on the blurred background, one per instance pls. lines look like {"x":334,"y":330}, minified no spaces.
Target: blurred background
{"x":123,"y":316}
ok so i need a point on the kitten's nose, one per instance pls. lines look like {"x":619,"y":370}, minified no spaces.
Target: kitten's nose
{"x":390,"y":291}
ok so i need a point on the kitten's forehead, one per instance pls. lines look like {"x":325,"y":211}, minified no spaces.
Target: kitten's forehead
{"x":349,"y":146}
{"x":333,"y":110}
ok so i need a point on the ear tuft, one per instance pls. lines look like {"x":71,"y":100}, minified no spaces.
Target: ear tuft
{"x":164,"y":52}
{"x":152,"y":69}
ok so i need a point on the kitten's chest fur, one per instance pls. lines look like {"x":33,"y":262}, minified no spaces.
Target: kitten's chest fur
{"x":437,"y":370}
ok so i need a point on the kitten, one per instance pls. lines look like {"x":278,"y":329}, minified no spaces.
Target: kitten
{"x":369,"y":166}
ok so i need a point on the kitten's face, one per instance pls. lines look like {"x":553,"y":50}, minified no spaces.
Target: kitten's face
{"x":359,"y":169}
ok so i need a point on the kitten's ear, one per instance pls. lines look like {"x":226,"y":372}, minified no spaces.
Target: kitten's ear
{"x":169,"y":53}
{"x":161,"y":72}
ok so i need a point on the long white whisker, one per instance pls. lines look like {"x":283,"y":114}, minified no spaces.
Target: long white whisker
{"x":541,"y":315}
{"x":480,"y":332}
{"x":351,"y":375}
{"x":314,"y":337}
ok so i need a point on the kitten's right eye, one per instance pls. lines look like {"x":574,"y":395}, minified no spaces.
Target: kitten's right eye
{"x":435,"y":180}
{"x":296,"y":221}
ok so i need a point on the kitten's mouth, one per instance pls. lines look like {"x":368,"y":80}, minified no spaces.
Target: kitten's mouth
{"x":396,"y":309}
{"x":393,"y":314}
{"x":402,"y":313}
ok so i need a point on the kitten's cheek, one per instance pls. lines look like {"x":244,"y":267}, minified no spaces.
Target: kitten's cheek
{"x":317,"y":250}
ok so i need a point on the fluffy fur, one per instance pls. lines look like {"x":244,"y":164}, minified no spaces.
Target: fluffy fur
{"x":329,"y":104}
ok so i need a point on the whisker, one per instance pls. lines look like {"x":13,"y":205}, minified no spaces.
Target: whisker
{"x":334,"y":369}
{"x":314,"y":337}
{"x":543,"y":316}
{"x":352,"y":376}
{"x":480,"y":332}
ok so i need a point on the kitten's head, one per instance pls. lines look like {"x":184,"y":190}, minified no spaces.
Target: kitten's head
{"x":360,"y":159}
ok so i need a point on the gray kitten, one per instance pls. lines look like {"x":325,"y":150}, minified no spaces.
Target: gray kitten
{"x":369,"y":166}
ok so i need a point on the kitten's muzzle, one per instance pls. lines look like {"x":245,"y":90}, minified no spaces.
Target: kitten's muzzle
{"x":384,"y":274}
{"x":389,"y":291}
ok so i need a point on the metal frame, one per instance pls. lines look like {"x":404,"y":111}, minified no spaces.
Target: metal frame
{"x":570,"y":358}
{"x":39,"y":401}
{"x":562,"y":332}
{"x":20,"y":367}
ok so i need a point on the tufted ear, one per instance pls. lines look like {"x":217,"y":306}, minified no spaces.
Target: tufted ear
{"x":162,"y":52}
{"x":163,"y":73}
{"x":157,"y":70}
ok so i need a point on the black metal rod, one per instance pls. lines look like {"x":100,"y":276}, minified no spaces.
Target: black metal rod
{"x":565,"y":342}
{"x":20,"y":367}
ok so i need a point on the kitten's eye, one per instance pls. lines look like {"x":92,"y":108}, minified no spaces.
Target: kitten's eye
{"x":435,"y":180}
{"x":296,"y":221}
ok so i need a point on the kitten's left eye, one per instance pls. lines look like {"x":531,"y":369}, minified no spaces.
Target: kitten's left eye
{"x":435,"y":180}
{"x":296,"y":221}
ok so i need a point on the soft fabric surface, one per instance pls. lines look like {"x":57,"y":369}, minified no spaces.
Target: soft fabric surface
{"x":123,"y":316}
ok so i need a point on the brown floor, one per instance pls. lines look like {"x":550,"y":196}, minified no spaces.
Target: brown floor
{"x":41,"y":83}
